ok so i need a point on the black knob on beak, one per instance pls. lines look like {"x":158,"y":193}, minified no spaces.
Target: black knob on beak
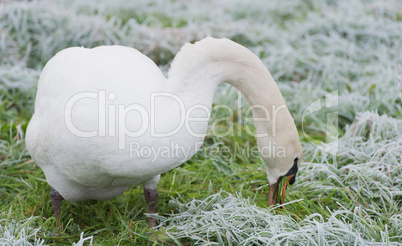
{"x":291,"y":174}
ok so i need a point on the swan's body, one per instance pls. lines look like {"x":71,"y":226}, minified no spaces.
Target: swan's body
{"x":81,"y":166}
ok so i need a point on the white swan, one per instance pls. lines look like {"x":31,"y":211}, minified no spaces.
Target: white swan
{"x":102,"y":115}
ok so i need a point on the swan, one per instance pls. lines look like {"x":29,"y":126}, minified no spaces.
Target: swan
{"x":106,"y":118}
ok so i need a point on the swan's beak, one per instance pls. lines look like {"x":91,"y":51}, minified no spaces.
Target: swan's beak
{"x":291,"y":178}
{"x":273,"y":195}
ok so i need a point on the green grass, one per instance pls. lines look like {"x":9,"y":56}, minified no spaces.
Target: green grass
{"x":311,"y":47}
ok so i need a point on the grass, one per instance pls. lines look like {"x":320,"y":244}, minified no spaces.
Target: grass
{"x":312,"y":48}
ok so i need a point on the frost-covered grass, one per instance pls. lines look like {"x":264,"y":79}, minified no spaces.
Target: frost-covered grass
{"x":352,"y":198}
{"x":25,"y":232}
{"x":19,"y":233}
{"x":313,"y":48}
{"x":225,"y":219}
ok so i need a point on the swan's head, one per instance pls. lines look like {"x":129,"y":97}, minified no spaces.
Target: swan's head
{"x":282,"y":161}
{"x":285,"y":168}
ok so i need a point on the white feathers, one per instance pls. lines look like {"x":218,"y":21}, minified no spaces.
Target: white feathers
{"x":106,"y":118}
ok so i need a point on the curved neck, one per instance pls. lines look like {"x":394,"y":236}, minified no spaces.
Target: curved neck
{"x":198,"y":69}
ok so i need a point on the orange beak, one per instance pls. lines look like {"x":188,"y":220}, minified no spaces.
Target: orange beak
{"x":273,"y":195}
{"x":285,"y":185}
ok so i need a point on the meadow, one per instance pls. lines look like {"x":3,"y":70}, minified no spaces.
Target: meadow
{"x":338,"y":64}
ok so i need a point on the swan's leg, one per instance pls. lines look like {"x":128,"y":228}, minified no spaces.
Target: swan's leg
{"x":151,"y":196}
{"x":57,"y":199}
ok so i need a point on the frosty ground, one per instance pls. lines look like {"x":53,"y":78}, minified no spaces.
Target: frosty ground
{"x":342,"y":57}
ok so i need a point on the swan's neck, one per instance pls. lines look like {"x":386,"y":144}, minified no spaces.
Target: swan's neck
{"x":198,"y":69}
{"x":196,"y":72}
